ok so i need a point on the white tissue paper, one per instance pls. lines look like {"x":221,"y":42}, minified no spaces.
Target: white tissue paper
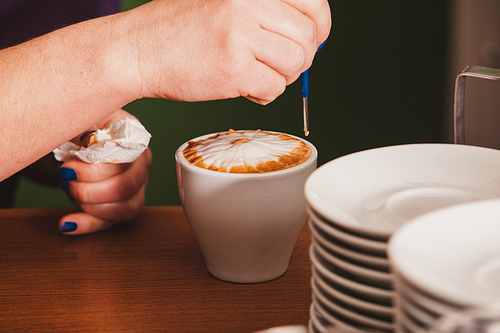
{"x":122,"y":141}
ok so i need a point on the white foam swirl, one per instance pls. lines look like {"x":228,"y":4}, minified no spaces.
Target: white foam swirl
{"x":248,"y":149}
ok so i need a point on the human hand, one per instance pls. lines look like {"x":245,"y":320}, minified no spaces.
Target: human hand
{"x":196,"y":50}
{"x":106,"y":193}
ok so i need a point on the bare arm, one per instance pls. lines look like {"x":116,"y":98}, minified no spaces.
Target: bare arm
{"x":54,"y":87}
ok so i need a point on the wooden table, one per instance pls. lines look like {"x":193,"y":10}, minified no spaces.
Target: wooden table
{"x":146,"y":275}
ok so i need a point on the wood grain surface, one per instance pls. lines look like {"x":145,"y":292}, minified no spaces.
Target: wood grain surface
{"x":146,"y":275}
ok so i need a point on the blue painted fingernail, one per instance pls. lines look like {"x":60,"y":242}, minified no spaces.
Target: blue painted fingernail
{"x":69,"y":227}
{"x":320,"y":47}
{"x":66,"y":174}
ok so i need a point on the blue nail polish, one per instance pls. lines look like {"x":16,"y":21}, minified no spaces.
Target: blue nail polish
{"x":320,"y":47}
{"x":66,"y":174}
{"x":69,"y":226}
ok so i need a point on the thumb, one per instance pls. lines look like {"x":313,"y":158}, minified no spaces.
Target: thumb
{"x":83,"y":223}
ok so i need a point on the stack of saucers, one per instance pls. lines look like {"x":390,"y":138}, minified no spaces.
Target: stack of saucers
{"x":356,"y":202}
{"x":351,"y":281}
{"x":446,"y":261}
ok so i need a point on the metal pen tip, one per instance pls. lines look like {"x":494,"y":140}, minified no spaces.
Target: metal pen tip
{"x":305,"y":110}
{"x":304,"y":83}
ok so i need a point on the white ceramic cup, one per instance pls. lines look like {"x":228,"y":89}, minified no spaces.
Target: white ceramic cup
{"x":246,"y":224}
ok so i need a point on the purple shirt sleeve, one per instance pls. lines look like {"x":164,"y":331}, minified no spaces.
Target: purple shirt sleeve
{"x":21,"y":20}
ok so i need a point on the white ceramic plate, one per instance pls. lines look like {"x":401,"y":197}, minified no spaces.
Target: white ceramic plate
{"x":408,"y":324}
{"x":334,"y":322}
{"x":312,"y":328}
{"x":363,"y":272}
{"x":315,"y":323}
{"x":358,"y":257}
{"x":337,"y":323}
{"x":376,"y":191}
{"x":432,"y":305}
{"x":369,"y":291}
{"x":422,"y":316}
{"x":453,"y":253}
{"x":364,"y":244}
{"x":353,"y":301}
{"x":351,"y":315}
{"x":345,"y":324}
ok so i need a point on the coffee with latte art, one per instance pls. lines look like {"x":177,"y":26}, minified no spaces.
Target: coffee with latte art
{"x":247,"y":152}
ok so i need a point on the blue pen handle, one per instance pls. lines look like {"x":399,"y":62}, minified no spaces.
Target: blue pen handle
{"x":304,"y":83}
{"x":304,"y":77}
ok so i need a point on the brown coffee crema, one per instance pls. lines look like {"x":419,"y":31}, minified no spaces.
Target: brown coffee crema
{"x":247,"y":152}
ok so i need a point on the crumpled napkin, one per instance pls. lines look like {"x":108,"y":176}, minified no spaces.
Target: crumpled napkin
{"x":122,"y":141}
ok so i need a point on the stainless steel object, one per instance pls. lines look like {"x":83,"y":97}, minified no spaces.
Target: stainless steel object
{"x":459,"y":104}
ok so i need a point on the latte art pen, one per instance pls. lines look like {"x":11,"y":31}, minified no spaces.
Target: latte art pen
{"x":304,"y":85}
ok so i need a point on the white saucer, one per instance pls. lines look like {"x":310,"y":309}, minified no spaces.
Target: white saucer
{"x":408,"y":324}
{"x":427,"y":302}
{"x":349,"y":275}
{"x":312,"y":328}
{"x":378,"y":190}
{"x":356,"y":242}
{"x":315,"y":323}
{"x":363,"y":289}
{"x":358,"y":257}
{"x":363,"y":272}
{"x":453,"y":253}
{"x":351,"y":315}
{"x":353,"y":301}
{"x":419,"y":314}
{"x":339,"y":324}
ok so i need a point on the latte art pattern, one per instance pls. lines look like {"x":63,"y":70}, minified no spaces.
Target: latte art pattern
{"x":247,"y":152}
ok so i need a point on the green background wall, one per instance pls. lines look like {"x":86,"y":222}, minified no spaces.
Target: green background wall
{"x":378,"y":81}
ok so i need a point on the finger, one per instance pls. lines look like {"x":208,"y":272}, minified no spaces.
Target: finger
{"x":96,"y":172}
{"x":92,"y":173}
{"x":98,"y":217}
{"x":119,"y":187}
{"x":281,"y":54}
{"x":319,"y":12}
{"x":116,"y":211}
{"x":287,"y":21}
{"x":83,"y":223}
{"x":258,"y":100}
{"x":82,"y":139}
{"x":262,"y":84}
{"x":120,"y":114}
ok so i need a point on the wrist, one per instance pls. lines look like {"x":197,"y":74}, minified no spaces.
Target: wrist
{"x":119,"y":57}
